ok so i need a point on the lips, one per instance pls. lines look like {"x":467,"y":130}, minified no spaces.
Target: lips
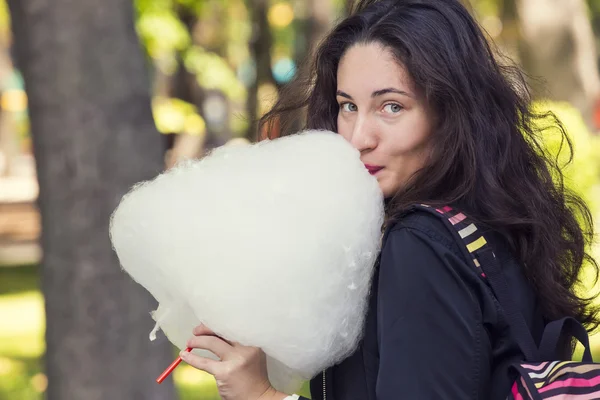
{"x":373,"y":169}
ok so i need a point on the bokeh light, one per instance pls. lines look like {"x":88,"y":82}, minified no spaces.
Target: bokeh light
{"x":14,"y":100}
{"x":284,"y":70}
{"x":281,"y":15}
{"x":39,"y":382}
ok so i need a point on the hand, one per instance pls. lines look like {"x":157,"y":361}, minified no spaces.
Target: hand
{"x":242,"y":372}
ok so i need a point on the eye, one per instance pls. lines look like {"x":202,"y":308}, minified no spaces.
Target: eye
{"x":348,"y":107}
{"x":392,"y":108}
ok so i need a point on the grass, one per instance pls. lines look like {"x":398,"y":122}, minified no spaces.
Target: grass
{"x":21,"y":334}
{"x":18,"y":279}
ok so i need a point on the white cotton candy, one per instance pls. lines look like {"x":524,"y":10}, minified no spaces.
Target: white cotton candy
{"x":269,"y":245}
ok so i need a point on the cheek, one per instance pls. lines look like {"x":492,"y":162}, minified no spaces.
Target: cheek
{"x":410,"y":140}
{"x":343,"y":128}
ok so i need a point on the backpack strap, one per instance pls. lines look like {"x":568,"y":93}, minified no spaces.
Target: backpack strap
{"x":513,"y":314}
{"x":567,"y":326}
{"x":476,"y":249}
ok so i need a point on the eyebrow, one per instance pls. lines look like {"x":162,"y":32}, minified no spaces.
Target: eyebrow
{"x":376,"y":93}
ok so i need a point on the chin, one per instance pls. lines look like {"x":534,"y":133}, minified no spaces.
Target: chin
{"x":386,"y":189}
{"x":389,"y":191}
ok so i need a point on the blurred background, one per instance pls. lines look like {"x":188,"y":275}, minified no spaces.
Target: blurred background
{"x":120,"y":90}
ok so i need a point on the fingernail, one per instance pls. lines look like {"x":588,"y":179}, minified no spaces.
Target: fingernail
{"x":183,"y":354}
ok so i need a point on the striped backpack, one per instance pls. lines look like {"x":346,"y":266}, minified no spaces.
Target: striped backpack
{"x":542,"y":375}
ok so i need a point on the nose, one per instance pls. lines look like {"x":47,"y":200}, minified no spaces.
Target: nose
{"x":364,"y":135}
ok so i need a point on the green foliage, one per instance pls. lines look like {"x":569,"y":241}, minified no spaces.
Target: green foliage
{"x":594,"y":6}
{"x":197,"y":6}
{"x":167,"y":40}
{"x":161,"y":31}
{"x":213,"y":72}
{"x":238,"y":31}
{"x":486,"y":8}
{"x":4,"y":18}
{"x":582,"y":174}
{"x":177,"y":116}
{"x":21,"y":339}
{"x":20,"y":379}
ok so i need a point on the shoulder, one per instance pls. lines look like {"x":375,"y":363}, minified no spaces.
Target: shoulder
{"x":420,"y":248}
{"x":422,"y":263}
{"x":424,"y":227}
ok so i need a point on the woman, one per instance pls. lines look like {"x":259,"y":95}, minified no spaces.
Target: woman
{"x":414,"y":86}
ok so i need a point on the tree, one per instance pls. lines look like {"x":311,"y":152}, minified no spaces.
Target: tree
{"x":93,"y":137}
{"x":556,"y":43}
{"x":184,"y":85}
{"x":260,"y":49}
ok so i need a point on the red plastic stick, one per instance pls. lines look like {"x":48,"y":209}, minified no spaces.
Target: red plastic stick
{"x":170,"y":368}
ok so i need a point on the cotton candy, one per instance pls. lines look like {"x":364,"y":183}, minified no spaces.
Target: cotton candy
{"x":270,"y":245}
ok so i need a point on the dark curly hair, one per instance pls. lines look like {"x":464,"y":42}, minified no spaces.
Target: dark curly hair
{"x":487,"y":151}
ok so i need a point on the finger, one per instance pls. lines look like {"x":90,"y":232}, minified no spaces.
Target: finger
{"x":211,"y":343}
{"x":204,"y":330}
{"x":201,"y":363}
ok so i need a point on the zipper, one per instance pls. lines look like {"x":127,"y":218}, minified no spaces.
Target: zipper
{"x":324,"y":386}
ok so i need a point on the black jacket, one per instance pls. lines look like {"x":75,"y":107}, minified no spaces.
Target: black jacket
{"x":434,"y":330}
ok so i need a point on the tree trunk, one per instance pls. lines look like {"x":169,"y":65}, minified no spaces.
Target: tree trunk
{"x":93,"y":137}
{"x":260,"y":49}
{"x":184,"y":85}
{"x":558,"y":46}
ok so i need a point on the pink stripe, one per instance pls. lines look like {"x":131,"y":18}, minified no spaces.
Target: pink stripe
{"x":588,"y":396}
{"x":574,"y":382}
{"x":457,"y":218}
{"x":535,"y":367}
{"x":447,"y":208}
{"x":515,"y":392}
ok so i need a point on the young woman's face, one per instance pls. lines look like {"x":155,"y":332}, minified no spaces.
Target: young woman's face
{"x":381,"y":115}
